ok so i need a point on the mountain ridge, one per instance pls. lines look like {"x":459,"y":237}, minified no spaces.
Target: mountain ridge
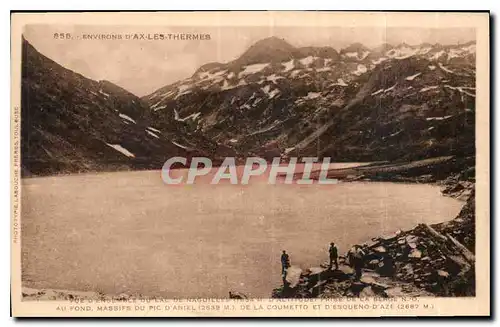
{"x":70,"y":123}
{"x":397,"y":103}
{"x":287,"y":103}
{"x":253,"y":54}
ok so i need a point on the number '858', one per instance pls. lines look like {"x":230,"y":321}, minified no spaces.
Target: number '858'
{"x":62,"y":36}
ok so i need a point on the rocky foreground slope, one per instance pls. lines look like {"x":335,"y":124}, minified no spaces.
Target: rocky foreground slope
{"x":435,"y":260}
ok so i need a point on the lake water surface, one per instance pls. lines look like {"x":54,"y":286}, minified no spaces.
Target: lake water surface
{"x":128,"y":232}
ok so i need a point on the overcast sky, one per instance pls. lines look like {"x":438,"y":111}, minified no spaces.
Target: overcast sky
{"x":142,"y":66}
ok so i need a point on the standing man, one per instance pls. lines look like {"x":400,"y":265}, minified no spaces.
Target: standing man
{"x":358,"y":260}
{"x":285,"y":264}
{"x":334,"y":256}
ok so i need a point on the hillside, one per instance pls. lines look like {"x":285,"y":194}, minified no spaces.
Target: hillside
{"x":74,"y":124}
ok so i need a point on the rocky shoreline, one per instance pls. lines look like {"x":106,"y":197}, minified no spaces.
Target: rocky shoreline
{"x":33,"y":294}
{"x":428,"y":260}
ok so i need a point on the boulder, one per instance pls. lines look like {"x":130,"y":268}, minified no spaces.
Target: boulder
{"x":237,"y":295}
{"x":293,"y":276}
{"x":368,"y":277}
{"x":411,"y":239}
{"x":394,"y":292}
{"x":373,"y":264}
{"x":443,"y":273}
{"x":417,"y":254}
{"x":346,"y":269}
{"x":367,"y":292}
{"x":356,"y":288}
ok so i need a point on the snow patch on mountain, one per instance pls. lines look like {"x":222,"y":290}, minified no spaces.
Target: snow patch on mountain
{"x":396,"y":133}
{"x":445,"y":68}
{"x":392,"y":135}
{"x":288,"y":65}
{"x":159,"y":108}
{"x":391,"y":88}
{"x":271,"y":94}
{"x":273,"y":78}
{"x":121,"y":149}
{"x":364,"y":55}
{"x":351,"y":54}
{"x":295,"y":73}
{"x":307,"y":60}
{"x":401,"y":52}
{"x":226,"y":86}
{"x":412,"y":77}
{"x":361,"y":69}
{"x":156,"y":104}
{"x":428,"y":88}
{"x":252,"y":69}
{"x":194,"y":116}
{"x":209,"y":76}
{"x":152,"y":134}
{"x":460,"y":89}
{"x":471,"y":49}
{"x":104,"y":93}
{"x":454,"y":53}
{"x":183,"y":89}
{"x":154,"y":129}
{"x":438,"y":118}
{"x":379,"y":60}
{"x":179,"y":145}
{"x":312,"y":95}
{"x":405,"y":56}
{"x":123,"y":116}
{"x":424,"y":51}
{"x":437,"y":55}
{"x":340,"y":82}
{"x":266,"y":129}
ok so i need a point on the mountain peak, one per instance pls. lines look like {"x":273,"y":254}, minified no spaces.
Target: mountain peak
{"x":383,"y":47}
{"x":273,"y":42}
{"x":355,"y":47}
{"x":403,"y":45}
{"x":267,"y":50}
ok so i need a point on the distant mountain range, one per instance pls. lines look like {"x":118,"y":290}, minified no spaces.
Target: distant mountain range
{"x":388,"y":103}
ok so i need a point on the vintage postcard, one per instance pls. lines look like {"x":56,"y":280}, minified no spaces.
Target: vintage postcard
{"x":250,"y":164}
